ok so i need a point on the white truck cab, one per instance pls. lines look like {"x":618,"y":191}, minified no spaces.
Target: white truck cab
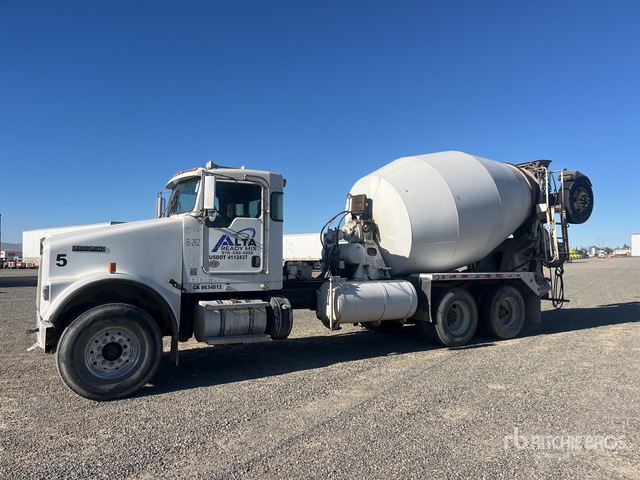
{"x":210,"y":265}
{"x":233,"y":243}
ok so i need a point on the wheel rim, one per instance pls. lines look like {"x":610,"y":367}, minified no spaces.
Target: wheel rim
{"x":112,"y":353}
{"x":581,"y":200}
{"x":508,"y":312}
{"x":458,"y":318}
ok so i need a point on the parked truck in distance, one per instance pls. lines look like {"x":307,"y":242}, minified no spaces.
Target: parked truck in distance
{"x":446,"y":241}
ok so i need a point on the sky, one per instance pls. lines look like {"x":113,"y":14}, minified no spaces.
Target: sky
{"x":101,"y":102}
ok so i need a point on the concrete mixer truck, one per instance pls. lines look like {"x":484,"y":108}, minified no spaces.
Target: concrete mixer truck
{"x":449,"y":242}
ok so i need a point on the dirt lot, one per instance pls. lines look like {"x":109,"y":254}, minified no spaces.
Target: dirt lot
{"x":561,"y":400}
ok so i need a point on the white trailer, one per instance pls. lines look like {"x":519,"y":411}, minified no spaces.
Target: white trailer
{"x":31,"y":239}
{"x":302,"y":247}
{"x":302,"y":255}
{"x":635,"y":244}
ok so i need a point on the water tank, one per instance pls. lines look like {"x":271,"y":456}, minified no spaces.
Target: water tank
{"x":441,"y":211}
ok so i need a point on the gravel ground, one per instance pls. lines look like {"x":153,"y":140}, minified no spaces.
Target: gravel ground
{"x":561,"y":400}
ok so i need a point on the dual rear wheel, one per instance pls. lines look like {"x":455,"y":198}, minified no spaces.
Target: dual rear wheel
{"x":455,"y":315}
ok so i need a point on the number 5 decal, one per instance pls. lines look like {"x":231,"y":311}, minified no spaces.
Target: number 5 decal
{"x":61,"y":259}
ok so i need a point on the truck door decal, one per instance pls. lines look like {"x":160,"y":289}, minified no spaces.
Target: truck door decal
{"x":235,"y":250}
{"x":245,"y":238}
{"x":226,"y":253}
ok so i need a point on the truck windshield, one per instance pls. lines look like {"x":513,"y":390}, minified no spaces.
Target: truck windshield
{"x":183,"y":196}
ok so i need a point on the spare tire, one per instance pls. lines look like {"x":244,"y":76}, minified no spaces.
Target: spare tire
{"x":577,"y":199}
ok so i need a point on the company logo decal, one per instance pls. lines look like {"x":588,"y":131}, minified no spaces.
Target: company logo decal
{"x":240,"y":246}
{"x":242,"y":238}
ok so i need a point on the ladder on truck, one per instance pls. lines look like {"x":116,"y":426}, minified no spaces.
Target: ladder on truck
{"x":556,"y":245}
{"x":557,"y":249}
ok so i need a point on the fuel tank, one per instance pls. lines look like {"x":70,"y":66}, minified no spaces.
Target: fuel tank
{"x":368,"y":301}
{"x":441,"y":211}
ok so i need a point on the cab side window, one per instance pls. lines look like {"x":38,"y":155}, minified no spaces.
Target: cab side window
{"x":235,"y":200}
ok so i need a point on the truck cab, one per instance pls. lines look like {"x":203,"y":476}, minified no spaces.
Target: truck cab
{"x":232,"y":228}
{"x":210,"y":265}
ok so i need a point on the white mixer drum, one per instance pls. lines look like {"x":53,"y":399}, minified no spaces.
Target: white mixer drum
{"x":441,"y":211}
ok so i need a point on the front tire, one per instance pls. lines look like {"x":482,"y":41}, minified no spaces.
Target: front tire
{"x":109,"y":352}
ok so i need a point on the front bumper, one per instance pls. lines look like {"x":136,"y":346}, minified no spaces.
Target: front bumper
{"x":41,"y":333}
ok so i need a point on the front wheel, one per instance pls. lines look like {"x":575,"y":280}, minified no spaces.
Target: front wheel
{"x":109,"y":352}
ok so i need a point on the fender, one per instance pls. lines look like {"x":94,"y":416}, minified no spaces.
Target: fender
{"x":64,"y":294}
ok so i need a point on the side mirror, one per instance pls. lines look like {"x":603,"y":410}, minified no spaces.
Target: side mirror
{"x":160,"y":204}
{"x":209,"y":194}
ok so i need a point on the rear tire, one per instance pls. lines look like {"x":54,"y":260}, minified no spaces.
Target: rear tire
{"x":502,"y":312}
{"x":109,"y":352}
{"x":455,"y":318}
